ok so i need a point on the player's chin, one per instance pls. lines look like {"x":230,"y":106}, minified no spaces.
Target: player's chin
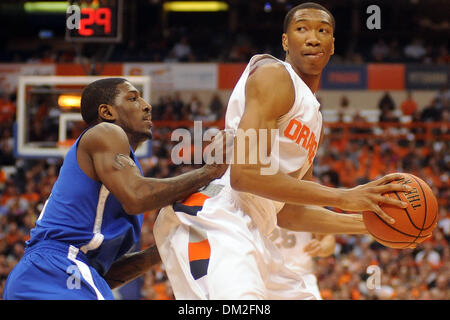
{"x":145,"y":135}
{"x":315,"y":66}
{"x":149,"y":135}
{"x":314,"y":69}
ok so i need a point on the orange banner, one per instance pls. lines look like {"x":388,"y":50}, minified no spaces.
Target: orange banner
{"x":385,"y":76}
{"x":229,"y":74}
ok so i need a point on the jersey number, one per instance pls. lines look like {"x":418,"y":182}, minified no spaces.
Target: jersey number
{"x":283,"y":238}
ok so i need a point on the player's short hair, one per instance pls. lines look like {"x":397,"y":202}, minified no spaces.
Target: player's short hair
{"x":102,"y":91}
{"x":306,"y":5}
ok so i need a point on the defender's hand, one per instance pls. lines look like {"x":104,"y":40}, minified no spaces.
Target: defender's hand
{"x":219,"y":153}
{"x":313,"y":248}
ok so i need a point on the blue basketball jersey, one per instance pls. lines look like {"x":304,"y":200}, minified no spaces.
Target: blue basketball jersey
{"x":83,"y":213}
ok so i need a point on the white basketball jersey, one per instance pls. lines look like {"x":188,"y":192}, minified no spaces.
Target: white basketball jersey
{"x":297,"y":139}
{"x":291,"y":245}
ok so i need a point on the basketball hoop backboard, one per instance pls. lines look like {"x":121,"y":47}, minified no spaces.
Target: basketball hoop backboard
{"x":46,"y":126}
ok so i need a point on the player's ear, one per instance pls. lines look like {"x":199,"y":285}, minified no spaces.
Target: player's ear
{"x":332,"y":47}
{"x":284,"y":42}
{"x":106,"y":112}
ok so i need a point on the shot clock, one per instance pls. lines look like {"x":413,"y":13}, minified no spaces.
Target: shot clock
{"x":99,"y":21}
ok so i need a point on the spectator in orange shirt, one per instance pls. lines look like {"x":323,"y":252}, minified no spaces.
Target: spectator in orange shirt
{"x":7,"y":110}
{"x":409,"y":106}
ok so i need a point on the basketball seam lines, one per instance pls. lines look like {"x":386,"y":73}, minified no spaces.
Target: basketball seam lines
{"x":426,"y":208}
{"x":425,"y":214}
{"x":390,"y":226}
{"x":407,"y":214}
{"x":390,"y":241}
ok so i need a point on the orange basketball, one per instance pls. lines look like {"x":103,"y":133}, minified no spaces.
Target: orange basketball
{"x":412,"y":224}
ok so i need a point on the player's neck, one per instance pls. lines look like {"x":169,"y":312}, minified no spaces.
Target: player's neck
{"x":133,"y":142}
{"x":312,"y":81}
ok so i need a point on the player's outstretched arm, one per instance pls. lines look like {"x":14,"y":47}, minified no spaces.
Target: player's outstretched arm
{"x":131,"y":266}
{"x":108,"y":148}
{"x":319,"y":220}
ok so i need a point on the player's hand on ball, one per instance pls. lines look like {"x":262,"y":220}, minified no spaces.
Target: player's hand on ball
{"x":369,"y":196}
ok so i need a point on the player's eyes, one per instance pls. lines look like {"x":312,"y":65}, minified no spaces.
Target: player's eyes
{"x":132,"y":99}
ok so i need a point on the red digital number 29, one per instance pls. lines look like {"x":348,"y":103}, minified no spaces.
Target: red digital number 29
{"x":101,"y":16}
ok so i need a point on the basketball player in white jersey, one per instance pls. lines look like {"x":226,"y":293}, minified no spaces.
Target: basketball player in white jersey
{"x":216,"y":245}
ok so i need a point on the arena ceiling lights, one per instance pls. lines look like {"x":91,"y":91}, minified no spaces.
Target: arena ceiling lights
{"x":174,"y":6}
{"x":46,"y":7}
{"x":195,"y":6}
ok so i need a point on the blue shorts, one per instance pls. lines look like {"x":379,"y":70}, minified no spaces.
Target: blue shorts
{"x":52,"y":270}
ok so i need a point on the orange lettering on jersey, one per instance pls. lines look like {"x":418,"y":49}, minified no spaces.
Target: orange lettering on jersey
{"x":302,"y":135}
{"x":287,"y":131}
{"x":311,"y":147}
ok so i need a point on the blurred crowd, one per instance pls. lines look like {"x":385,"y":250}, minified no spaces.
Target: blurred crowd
{"x":183,"y":49}
{"x":410,"y":31}
{"x":421,"y":273}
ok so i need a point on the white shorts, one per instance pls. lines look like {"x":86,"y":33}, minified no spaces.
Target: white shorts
{"x":311,"y":285}
{"x":212,"y":250}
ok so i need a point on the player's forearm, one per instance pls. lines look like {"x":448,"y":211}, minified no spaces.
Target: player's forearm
{"x":157,"y":193}
{"x":131,"y":266}
{"x":284,"y":188}
{"x":319,"y":220}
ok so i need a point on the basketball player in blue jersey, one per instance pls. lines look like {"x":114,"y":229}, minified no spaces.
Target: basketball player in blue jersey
{"x":78,"y":248}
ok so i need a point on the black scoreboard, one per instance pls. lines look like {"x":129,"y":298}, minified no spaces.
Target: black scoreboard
{"x":94,"y":21}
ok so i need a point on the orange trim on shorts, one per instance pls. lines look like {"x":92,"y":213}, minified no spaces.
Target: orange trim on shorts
{"x":196,"y":200}
{"x":199,"y":250}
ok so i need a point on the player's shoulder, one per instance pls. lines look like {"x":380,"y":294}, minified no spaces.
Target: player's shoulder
{"x":103,"y":135}
{"x":270,"y":78}
{"x":271,"y":88}
{"x":272,"y":71}
{"x":271,"y":81}
{"x":105,"y":130}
